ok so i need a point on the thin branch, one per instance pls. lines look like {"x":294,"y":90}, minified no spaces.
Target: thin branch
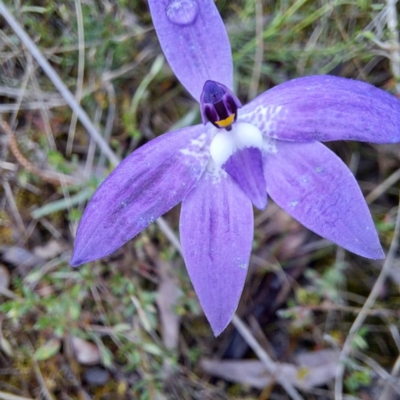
{"x":383,"y":187}
{"x":10,"y":396}
{"x":81,"y":70}
{"x":258,"y":57}
{"x":347,"y":346}
{"x":59,"y":84}
{"x":394,"y":50}
{"x":271,"y":366}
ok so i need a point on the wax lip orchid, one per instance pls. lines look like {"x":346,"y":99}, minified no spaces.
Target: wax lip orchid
{"x":220,"y":169}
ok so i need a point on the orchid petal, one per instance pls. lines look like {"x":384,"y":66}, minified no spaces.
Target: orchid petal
{"x":144,"y":186}
{"x":238,"y":152}
{"x":314,"y":186}
{"x":326,"y":108}
{"x":194,"y":40}
{"x":246,"y":168}
{"x":216,"y":228}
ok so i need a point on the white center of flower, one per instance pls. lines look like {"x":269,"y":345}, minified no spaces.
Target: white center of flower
{"x":226,"y":143}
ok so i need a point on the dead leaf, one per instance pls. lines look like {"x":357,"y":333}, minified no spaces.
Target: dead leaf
{"x":86,"y":353}
{"x":313,"y":369}
{"x":20,"y":258}
{"x":167,"y":298}
{"x":4,"y":277}
{"x":51,"y":249}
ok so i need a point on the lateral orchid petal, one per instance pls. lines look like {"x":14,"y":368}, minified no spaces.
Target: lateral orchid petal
{"x":194,"y":41}
{"x":326,"y":108}
{"x":144,"y":186}
{"x":216,"y":229}
{"x":313,"y":185}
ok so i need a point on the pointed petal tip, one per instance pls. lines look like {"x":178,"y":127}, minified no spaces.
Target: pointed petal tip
{"x":145,"y":185}
{"x":261,"y":201}
{"x":216,"y":229}
{"x":314,"y":186}
{"x":82,"y":255}
{"x":375,"y":253}
{"x":77,"y":260}
{"x":218,"y":326}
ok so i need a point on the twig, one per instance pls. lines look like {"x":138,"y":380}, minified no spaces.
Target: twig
{"x":109,"y":123}
{"x":59,"y":84}
{"x":13,"y":207}
{"x":383,"y":187}
{"x":92,"y":145}
{"x":347,"y":346}
{"x":81,"y":70}
{"x":394,"y":49}
{"x":339,"y":307}
{"x":169,"y":233}
{"x":396,"y":368}
{"x":271,"y":366}
{"x":388,"y":387}
{"x":380,"y":371}
{"x":258,"y":57}
{"x":54,"y":178}
{"x":9,"y":396}
{"x":44,"y":390}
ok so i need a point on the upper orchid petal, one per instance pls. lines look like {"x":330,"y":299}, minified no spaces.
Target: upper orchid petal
{"x":144,"y":186}
{"x":326,"y":108}
{"x":216,"y":228}
{"x":194,"y":41}
{"x":314,"y":186}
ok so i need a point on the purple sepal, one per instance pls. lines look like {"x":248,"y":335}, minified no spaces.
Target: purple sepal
{"x":313,"y":185}
{"x":144,"y":186}
{"x":216,"y":229}
{"x":245,"y":166}
{"x":325,"y":108}
{"x":194,"y":41}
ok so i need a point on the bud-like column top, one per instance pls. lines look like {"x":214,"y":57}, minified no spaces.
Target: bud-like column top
{"x":219,"y":105}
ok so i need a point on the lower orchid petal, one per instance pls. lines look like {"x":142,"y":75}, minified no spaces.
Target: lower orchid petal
{"x":144,"y":186}
{"x":326,"y":108}
{"x":314,"y":186}
{"x":239,"y":152}
{"x":216,"y":228}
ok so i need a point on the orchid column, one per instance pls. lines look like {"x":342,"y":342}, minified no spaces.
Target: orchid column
{"x":221,"y":168}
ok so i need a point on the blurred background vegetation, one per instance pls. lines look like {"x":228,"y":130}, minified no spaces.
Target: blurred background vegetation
{"x":130,"y":326}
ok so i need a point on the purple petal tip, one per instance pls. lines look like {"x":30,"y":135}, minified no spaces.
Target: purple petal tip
{"x":219,"y":326}
{"x":76,"y":260}
{"x":374,"y":254}
{"x":313,"y":185}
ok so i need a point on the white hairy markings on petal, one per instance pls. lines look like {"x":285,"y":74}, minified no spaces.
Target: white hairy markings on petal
{"x":241,"y":136}
{"x":214,"y":172}
{"x":196,"y":148}
{"x":269,"y":145}
{"x":265,"y":118}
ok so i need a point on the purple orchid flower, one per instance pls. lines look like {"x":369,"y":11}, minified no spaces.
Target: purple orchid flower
{"x":218,"y":170}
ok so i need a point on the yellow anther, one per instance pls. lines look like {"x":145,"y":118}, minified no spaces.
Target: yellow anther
{"x":223,"y":123}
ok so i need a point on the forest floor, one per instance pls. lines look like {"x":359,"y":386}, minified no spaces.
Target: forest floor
{"x":129,"y":326}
